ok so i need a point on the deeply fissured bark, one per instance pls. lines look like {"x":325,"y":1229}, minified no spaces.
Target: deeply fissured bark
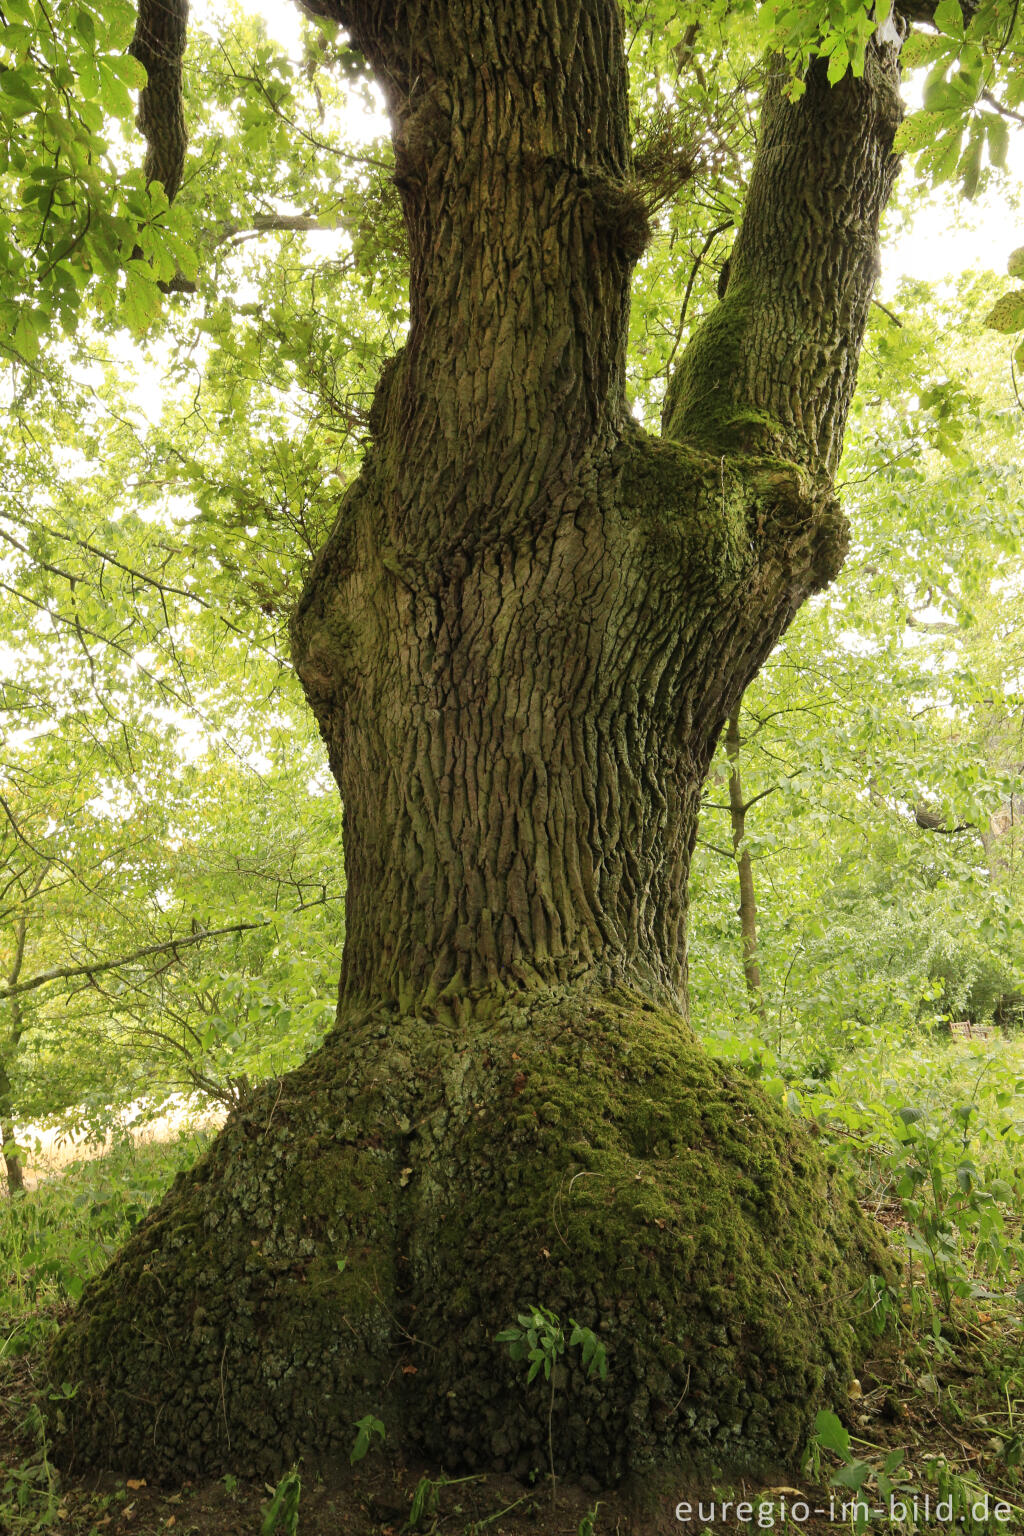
{"x":521,"y":642}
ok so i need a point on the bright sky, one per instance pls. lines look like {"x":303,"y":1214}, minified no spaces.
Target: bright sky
{"x":947,"y":238}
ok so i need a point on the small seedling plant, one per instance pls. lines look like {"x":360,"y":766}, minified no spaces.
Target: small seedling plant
{"x":368,"y":1429}
{"x":282,"y":1515}
{"x":539,"y":1340}
{"x":872,"y":1484}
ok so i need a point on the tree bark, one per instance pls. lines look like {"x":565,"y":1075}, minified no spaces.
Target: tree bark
{"x":521,"y":642}
{"x":744,"y":866}
{"x":159,"y":46}
{"x":12,"y":1162}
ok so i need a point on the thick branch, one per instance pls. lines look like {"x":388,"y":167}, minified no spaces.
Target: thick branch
{"x":277,"y":223}
{"x":932,"y":626}
{"x":772,"y":369}
{"x":933,"y":821}
{"x":159,"y":45}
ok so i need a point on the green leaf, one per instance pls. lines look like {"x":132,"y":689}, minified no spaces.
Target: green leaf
{"x":127,"y":69}
{"x":923,"y":48}
{"x":1015,"y":265}
{"x":998,"y":135}
{"x":368,"y":1428}
{"x":1007,"y":313}
{"x":853,"y":1476}
{"x":918,"y":131}
{"x":15,"y":84}
{"x":831,"y":1434}
{"x":970,"y":164}
{"x":141,"y":298}
{"x":949,"y":18}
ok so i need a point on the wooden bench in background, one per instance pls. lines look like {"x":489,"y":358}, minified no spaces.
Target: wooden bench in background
{"x":963,"y":1029}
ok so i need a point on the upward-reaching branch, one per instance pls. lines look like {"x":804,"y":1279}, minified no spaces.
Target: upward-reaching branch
{"x":772,"y":369}
{"x":159,"y":46}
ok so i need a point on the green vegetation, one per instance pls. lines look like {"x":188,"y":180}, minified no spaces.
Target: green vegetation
{"x":187,"y":376}
{"x":538,"y":1339}
{"x":928,"y":1132}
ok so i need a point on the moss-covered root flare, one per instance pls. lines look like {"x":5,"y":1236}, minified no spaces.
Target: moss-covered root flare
{"x":355,"y":1243}
{"x":248,"y":1319}
{"x":605,"y":1167}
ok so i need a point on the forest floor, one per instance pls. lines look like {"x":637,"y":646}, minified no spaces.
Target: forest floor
{"x":945,"y":1428}
{"x":936,"y":1422}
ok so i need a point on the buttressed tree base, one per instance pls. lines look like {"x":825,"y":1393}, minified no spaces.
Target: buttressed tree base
{"x":521,"y":642}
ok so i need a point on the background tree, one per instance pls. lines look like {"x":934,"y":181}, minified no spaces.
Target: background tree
{"x":873,"y":725}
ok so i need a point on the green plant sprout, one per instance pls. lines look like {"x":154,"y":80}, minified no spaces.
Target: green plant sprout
{"x":282,"y":1516}
{"x":426,"y":1498}
{"x":368,"y":1428}
{"x":539,"y":1338}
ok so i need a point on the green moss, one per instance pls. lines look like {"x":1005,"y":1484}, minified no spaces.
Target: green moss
{"x":355,"y":1241}
{"x":663,"y":1201}
{"x":700,"y":403}
{"x":691,"y":508}
{"x":248,"y":1317}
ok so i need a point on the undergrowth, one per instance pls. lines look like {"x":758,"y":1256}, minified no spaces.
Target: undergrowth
{"x":929,"y":1132}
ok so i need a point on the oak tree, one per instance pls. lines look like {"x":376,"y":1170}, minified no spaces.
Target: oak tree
{"x":521,"y":641}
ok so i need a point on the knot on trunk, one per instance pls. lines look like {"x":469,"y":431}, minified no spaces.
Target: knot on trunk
{"x":621,"y":214}
{"x":420,"y":134}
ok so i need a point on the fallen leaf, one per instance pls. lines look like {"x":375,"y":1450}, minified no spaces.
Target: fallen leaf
{"x":135,"y":1483}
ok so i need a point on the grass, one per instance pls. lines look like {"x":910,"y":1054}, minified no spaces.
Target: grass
{"x":930,"y":1132}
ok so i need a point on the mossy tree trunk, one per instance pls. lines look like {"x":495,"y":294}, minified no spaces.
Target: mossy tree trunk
{"x":521,"y":642}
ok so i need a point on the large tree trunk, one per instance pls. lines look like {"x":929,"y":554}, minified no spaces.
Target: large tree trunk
{"x":521,"y":642}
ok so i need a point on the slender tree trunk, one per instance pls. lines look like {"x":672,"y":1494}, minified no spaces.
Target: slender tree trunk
{"x":12,"y":1162}
{"x":744,"y":866}
{"x":521,"y":642}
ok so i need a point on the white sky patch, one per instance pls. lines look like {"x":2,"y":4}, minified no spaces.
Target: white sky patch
{"x":284,"y":25}
{"x":857,"y":644}
{"x":282,"y":18}
{"x":948,"y":236}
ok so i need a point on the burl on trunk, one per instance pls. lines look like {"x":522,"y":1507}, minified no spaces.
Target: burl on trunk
{"x":521,"y":642}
